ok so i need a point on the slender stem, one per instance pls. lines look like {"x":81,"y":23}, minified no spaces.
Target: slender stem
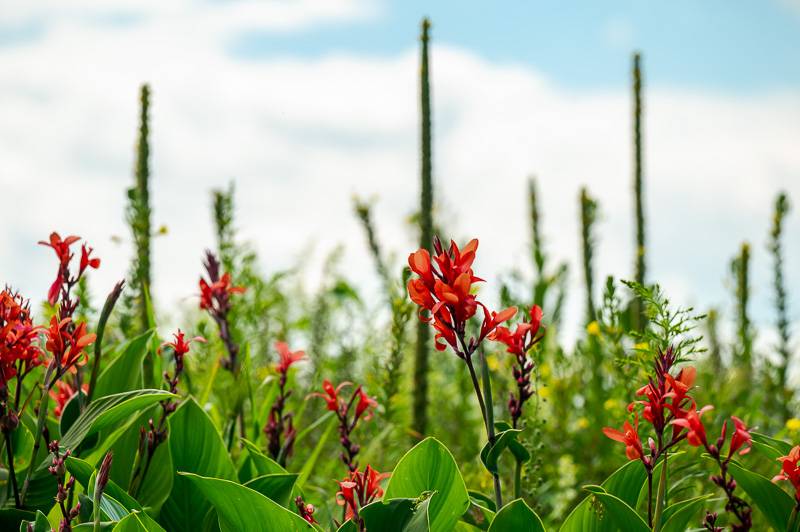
{"x":11,"y":472}
{"x":649,"y":497}
{"x":487,"y":393}
{"x":662,"y":488}
{"x":518,"y":479}
{"x":40,"y":421}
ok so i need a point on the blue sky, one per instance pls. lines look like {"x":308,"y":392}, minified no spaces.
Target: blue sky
{"x":742,"y":46}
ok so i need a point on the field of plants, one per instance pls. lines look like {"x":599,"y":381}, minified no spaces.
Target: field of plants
{"x":428,"y":405}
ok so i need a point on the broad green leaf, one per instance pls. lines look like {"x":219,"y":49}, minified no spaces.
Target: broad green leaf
{"x":625,"y":483}
{"x":137,"y":522}
{"x":677,"y":516}
{"x":348,"y":526}
{"x":125,"y":371}
{"x":774,"y":503}
{"x":781,"y":445}
{"x":108,"y":412}
{"x":397,"y":515}
{"x":157,"y":485}
{"x":618,"y":512}
{"x":478,"y":515}
{"x":277,"y":487}
{"x":517,"y":449}
{"x":40,"y":524}
{"x":491,"y":453}
{"x":516,"y":516}
{"x":240,"y":508}
{"x":196,"y":447}
{"x":429,"y":467}
{"x":83,"y":473}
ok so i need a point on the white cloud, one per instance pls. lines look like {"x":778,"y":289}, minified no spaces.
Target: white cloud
{"x":301,"y":136}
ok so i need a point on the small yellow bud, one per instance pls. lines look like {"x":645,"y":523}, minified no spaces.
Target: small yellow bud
{"x":593,"y":329}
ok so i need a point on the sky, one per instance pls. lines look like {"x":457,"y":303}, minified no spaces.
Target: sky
{"x":304,"y":104}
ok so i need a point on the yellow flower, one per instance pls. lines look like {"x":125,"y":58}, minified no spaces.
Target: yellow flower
{"x":583,"y":423}
{"x":642,"y":346}
{"x":610,"y":404}
{"x":493,"y":363}
{"x":793,"y":424}
{"x":593,"y":329}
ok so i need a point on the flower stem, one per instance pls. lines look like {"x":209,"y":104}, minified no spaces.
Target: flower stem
{"x":40,"y":422}
{"x":662,"y":489}
{"x":518,"y":479}
{"x":487,"y":393}
{"x":11,"y":472}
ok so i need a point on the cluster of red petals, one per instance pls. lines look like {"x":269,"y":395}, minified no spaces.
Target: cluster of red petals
{"x":61,"y":247}
{"x":336,"y":403}
{"x":629,"y":435}
{"x":18,"y":336}
{"x":696,"y":432}
{"x":790,"y":470}
{"x":444,"y":290}
{"x":520,"y":340}
{"x":287,"y":357}
{"x":180,"y":345}
{"x":62,"y":394}
{"x":359,"y":489}
{"x":67,"y":343}
{"x":213,"y":292}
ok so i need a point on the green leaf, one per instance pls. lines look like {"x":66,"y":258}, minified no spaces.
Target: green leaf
{"x":277,"y":487}
{"x":83,"y":473}
{"x":348,"y":526}
{"x":618,"y":512}
{"x":240,"y":508}
{"x":196,"y":447}
{"x":517,"y":449}
{"x":774,"y":503}
{"x":516,"y":516}
{"x":677,"y":516}
{"x":311,"y":461}
{"x":478,"y":515}
{"x":125,"y":371}
{"x":137,"y":522}
{"x":397,"y":515}
{"x":429,"y":467}
{"x":109,"y":411}
{"x":625,"y":483}
{"x":770,"y":447}
{"x":491,"y":453}
{"x":40,"y":524}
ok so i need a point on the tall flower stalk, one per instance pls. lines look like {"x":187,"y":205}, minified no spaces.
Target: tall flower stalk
{"x":443,"y":291}
{"x":279,"y":430}
{"x":349,"y":412}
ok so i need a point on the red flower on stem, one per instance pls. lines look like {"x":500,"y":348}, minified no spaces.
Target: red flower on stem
{"x":67,"y":344}
{"x":696,"y":432}
{"x":19,"y":350}
{"x":364,"y":404}
{"x":64,"y":282}
{"x":358,"y":490}
{"x":279,"y":430}
{"x":629,"y":435}
{"x":215,"y":299}
{"x":790,"y":470}
{"x":62,"y":394}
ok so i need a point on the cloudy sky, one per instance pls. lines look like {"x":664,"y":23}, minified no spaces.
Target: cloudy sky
{"x":305,"y":103}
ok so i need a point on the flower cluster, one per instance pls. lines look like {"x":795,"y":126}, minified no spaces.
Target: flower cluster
{"x":357,"y":490}
{"x":790,"y":470}
{"x":62,"y":393}
{"x":64,"y":282}
{"x":364,"y":404}
{"x":279,"y":424}
{"x":66,"y":343}
{"x":667,"y":404}
{"x":519,"y":342}
{"x":444,"y":292}
{"x":215,"y":298}
{"x":19,"y":351}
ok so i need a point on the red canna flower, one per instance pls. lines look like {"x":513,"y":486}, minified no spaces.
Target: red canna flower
{"x":67,"y":347}
{"x":444,"y":292}
{"x":215,"y":292}
{"x":790,"y":470}
{"x":740,"y":439}
{"x":287,"y":357}
{"x":180,"y":346}
{"x":62,"y":394}
{"x":359,"y":489}
{"x":19,"y":348}
{"x":331,"y":394}
{"x":86,"y":260}
{"x":696,"y":435}
{"x":62,"y":251}
{"x":629,"y":435}
{"x":365,"y":403}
